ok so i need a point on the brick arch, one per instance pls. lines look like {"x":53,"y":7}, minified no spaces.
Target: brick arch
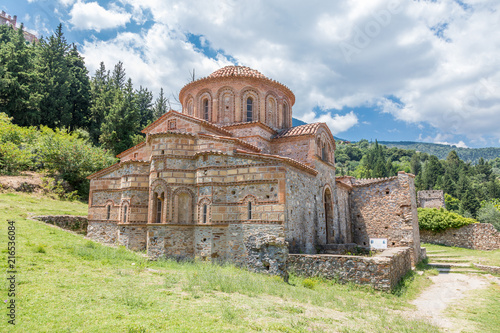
{"x":156,"y":189}
{"x":250,"y":201}
{"x":254,"y":94}
{"x":271,"y":109}
{"x":124,"y":211}
{"x":188,"y":106}
{"x":227,"y":105}
{"x":202,"y":215}
{"x":183,"y":206}
{"x":285,"y":120}
{"x":203,"y":95}
{"x":324,"y":147}
{"x":328,"y":207}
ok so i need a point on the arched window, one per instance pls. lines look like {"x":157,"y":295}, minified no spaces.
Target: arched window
{"x":108,"y":212}
{"x":205,"y":213}
{"x":249,"y":210}
{"x":206,"y":113}
{"x":125,"y":211}
{"x":249,"y":109}
{"x":159,"y":207}
{"x":324,"y":155}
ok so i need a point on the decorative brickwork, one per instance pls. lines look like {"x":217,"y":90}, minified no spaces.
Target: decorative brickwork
{"x":476,"y":236}
{"x":228,"y":178}
{"x":430,"y":199}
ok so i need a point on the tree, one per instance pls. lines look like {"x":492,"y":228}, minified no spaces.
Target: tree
{"x":19,"y":82}
{"x":144,"y":101}
{"x":415,"y":164}
{"x":55,"y":75}
{"x":161,"y":106}
{"x":101,"y":99}
{"x":469,"y":203}
{"x":432,"y":170}
{"x":79,"y":96}
{"x":122,"y":122}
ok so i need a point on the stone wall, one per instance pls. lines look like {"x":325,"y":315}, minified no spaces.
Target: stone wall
{"x":382,"y":271}
{"x":104,"y":232}
{"x":132,"y":237}
{"x":386,"y":208}
{"x":430,"y":199}
{"x":70,"y":222}
{"x":476,"y":236}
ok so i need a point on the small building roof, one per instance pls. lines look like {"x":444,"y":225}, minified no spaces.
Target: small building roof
{"x":230,"y":71}
{"x":307,"y":129}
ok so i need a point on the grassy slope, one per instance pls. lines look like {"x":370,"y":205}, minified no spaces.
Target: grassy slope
{"x":70,"y":284}
{"x":491,"y":258}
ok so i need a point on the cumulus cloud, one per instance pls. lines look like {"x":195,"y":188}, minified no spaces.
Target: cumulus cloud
{"x":91,"y":16}
{"x":337,"y":123}
{"x":437,"y":60}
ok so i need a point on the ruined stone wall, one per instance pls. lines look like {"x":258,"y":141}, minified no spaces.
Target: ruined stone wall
{"x":383,"y":271}
{"x":68,"y":222}
{"x":430,"y":199}
{"x":476,"y":236}
{"x":386,"y":208}
{"x":104,"y":232}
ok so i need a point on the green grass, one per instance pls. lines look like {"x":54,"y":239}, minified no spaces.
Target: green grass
{"x":69,"y":284}
{"x":491,"y":258}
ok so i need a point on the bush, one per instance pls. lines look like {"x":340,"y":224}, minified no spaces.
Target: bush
{"x":440,"y":219}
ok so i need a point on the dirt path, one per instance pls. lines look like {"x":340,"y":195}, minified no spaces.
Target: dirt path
{"x":447,"y":288}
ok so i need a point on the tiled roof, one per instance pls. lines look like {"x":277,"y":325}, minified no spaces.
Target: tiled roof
{"x":306,"y":129}
{"x":229,"y":71}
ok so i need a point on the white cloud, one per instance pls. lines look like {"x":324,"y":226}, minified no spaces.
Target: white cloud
{"x":66,"y":3}
{"x":337,"y":123}
{"x":459,"y":144}
{"x":437,"y":58}
{"x":91,"y":16}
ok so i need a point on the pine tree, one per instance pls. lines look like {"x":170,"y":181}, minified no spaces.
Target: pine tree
{"x":54,"y":70}
{"x":101,"y":99}
{"x":432,"y":170}
{"x":144,"y":101}
{"x":19,"y":83}
{"x":122,"y":122}
{"x":79,"y":96}
{"x":161,"y":106}
{"x":415,"y":164}
{"x":118,"y":77}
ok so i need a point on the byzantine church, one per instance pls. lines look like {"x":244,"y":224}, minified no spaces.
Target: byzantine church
{"x":229,"y":178}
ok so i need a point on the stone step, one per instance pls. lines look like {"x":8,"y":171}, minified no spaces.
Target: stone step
{"x":436,"y":251}
{"x":459,"y":271}
{"x":452,"y":260}
{"x":448,"y":265}
{"x":443,"y":256}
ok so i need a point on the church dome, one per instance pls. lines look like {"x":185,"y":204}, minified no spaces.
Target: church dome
{"x":231,"y":71}
{"x":238,"y":94}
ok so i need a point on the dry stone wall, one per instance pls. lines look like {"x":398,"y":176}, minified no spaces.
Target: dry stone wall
{"x":476,"y":236}
{"x":69,"y":222}
{"x":383,"y":271}
{"x":103,"y":232}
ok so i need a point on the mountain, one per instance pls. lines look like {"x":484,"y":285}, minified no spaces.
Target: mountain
{"x":441,"y":151}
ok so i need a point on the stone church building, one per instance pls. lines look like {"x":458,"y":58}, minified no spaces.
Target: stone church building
{"x":230,"y":178}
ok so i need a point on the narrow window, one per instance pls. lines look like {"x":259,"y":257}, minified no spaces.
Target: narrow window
{"x":125,"y":214}
{"x":205,"y":209}
{"x":323,"y":153}
{"x":249,"y":109}
{"x":285,"y":115}
{"x":205,"y":109}
{"x":108,"y":212}
{"x":249,"y":210}
{"x":158,"y":210}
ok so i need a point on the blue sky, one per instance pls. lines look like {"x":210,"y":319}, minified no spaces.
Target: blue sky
{"x":392,"y":70}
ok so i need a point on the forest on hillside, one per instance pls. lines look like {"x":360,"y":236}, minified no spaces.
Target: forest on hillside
{"x":473,"y":190}
{"x":441,"y":151}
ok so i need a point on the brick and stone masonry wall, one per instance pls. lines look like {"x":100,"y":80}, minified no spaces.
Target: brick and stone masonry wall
{"x":430,"y":199}
{"x":104,"y":232}
{"x":476,"y":236}
{"x":382,"y":271}
{"x":70,"y":222}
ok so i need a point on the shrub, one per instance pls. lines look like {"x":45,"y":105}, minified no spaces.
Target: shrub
{"x":489,"y":213}
{"x":440,"y":219}
{"x":309,"y":283}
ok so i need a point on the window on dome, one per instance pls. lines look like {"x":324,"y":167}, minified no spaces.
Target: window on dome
{"x":205,"y":110}
{"x":249,"y":109}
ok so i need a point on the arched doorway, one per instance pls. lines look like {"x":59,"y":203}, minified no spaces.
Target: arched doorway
{"x":328,"y":204}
